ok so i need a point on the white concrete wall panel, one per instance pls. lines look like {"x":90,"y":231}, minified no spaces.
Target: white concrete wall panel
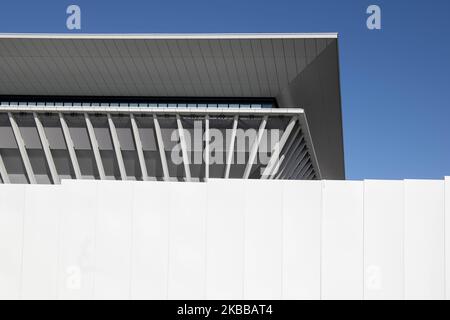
{"x":187,"y":241}
{"x":263,"y":240}
{"x":12,"y":206}
{"x":235,"y":239}
{"x":77,"y":254}
{"x":41,"y":242}
{"x":424,"y":239}
{"x":301,"y":214}
{"x":113,"y":240}
{"x":225,"y":239}
{"x":383,"y":239}
{"x":150,"y":254}
{"x":342,"y":240}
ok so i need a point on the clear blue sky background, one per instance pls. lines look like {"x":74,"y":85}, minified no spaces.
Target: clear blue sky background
{"x":395,"y":82}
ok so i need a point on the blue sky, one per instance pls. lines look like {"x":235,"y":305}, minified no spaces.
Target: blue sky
{"x":395,"y":81}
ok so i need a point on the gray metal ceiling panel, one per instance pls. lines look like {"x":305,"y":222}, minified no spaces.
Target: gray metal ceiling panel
{"x":300,"y":54}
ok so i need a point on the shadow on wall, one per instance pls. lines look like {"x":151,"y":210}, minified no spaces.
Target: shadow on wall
{"x":316,"y":89}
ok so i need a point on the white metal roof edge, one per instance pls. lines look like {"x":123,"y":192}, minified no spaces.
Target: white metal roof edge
{"x":175,"y":36}
{"x":109,"y":109}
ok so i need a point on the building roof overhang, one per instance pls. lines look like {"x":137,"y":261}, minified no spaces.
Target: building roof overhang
{"x":298,"y":70}
{"x":208,"y":65}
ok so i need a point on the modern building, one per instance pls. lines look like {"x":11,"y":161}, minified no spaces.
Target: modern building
{"x":116,"y":106}
{"x":174,"y":115}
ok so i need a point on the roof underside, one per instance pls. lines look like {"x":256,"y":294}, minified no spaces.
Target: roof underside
{"x":233,"y":66}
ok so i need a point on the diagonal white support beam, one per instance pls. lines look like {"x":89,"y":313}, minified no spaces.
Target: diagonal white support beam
{"x":139,"y":149}
{"x":310,"y":176}
{"x":231,"y":147}
{"x":307,"y":134}
{"x":281,"y":162}
{"x":292,"y":154}
{"x":255,"y":147}
{"x":70,"y":146}
{"x":184,"y":151}
{"x":117,"y":148}
{"x":305,"y":167}
{"x":300,"y":153}
{"x":277,"y":149}
{"x":162,"y":152}
{"x":22,"y":149}
{"x":3,"y":172}
{"x":299,"y":164}
{"x":305,"y":173}
{"x":206,"y":156}
{"x":94,"y":144}
{"x":46,"y":148}
{"x":277,"y":166}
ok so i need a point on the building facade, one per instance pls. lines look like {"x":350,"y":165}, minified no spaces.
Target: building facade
{"x":227,"y":151}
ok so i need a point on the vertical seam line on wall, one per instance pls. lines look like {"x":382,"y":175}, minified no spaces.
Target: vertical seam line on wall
{"x":23,"y":242}
{"x":322,"y":190}
{"x":363,"y":239}
{"x":282,"y":240}
{"x":244,"y":186}
{"x":169,"y":198}
{"x":94,"y":274}
{"x":59,"y":242}
{"x":445,"y":242}
{"x":206,"y":242}
{"x":132,"y":241}
{"x":404,"y":240}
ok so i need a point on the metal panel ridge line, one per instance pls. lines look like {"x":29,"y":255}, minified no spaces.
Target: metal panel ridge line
{"x":255,"y":147}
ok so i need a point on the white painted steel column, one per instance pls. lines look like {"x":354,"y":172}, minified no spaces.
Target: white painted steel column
{"x":139,"y":149}
{"x":206,"y":147}
{"x":162,"y":152}
{"x":117,"y":149}
{"x":277,"y":148}
{"x":22,"y":149}
{"x":94,"y":143}
{"x":255,"y":147}
{"x":281,"y":163}
{"x":184,"y":149}
{"x":46,"y":148}
{"x":70,"y":146}
{"x":231,"y":147}
{"x":3,"y":173}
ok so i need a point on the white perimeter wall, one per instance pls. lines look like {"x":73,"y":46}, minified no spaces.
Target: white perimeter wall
{"x":234,"y":239}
